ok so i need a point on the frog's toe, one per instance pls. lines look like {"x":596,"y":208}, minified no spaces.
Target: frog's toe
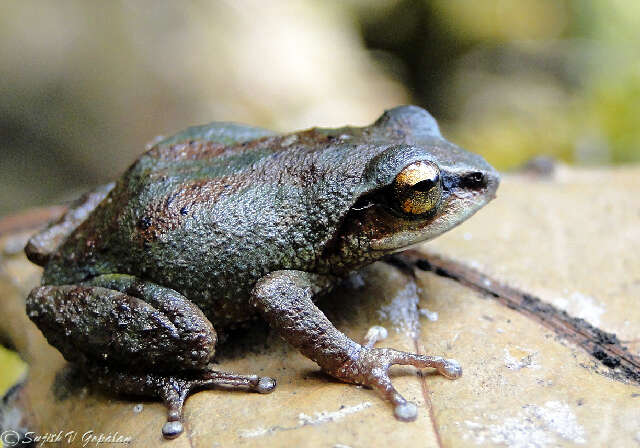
{"x":406,"y":412}
{"x":172,"y":429}
{"x":174,"y":392}
{"x":449,"y":368}
{"x":375,"y":334}
{"x":265,"y":385}
{"x":372,"y":369}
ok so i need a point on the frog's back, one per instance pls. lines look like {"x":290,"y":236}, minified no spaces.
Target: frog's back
{"x":212,"y":209}
{"x":210,"y":219}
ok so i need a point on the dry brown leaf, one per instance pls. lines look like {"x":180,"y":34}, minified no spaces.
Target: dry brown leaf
{"x":568,"y":240}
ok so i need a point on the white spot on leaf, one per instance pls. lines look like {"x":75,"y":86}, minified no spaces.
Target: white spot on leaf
{"x":431,"y":315}
{"x":580,"y":305}
{"x":327,"y":416}
{"x":533,"y":426}
{"x":516,"y":358}
{"x":304,"y":419}
{"x":403,"y":311}
{"x":256,"y":432}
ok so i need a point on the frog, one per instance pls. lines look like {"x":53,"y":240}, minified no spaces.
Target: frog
{"x":224,"y":224}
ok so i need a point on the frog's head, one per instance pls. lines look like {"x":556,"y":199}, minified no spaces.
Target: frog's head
{"x":417,"y":186}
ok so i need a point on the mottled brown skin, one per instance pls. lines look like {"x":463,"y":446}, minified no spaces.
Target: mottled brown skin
{"x":223,"y":223}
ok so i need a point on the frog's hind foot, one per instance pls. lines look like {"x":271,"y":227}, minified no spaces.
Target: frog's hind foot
{"x":174,"y":390}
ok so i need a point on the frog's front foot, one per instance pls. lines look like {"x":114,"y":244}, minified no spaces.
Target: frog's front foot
{"x":174,"y":390}
{"x":370,"y":367}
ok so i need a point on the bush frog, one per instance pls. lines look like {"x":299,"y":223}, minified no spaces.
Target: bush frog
{"x":223,"y":222}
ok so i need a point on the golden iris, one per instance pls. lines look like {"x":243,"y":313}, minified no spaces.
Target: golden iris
{"x":418,"y":188}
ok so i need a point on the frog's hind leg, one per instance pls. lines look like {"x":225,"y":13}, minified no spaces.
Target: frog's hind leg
{"x":41,"y":245}
{"x":136,"y":337}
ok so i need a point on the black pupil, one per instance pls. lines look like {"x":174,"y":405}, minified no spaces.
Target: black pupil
{"x":424,"y":185}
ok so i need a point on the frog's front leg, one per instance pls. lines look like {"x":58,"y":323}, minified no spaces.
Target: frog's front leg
{"x":285,"y":299}
{"x":136,"y":337}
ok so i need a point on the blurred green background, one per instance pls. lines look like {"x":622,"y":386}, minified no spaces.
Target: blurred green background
{"x":86,"y":84}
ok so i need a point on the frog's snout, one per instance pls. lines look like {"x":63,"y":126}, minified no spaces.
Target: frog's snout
{"x":493,"y":182}
{"x":481,"y":183}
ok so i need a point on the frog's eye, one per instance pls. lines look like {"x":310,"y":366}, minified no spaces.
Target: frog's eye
{"x":418,"y":188}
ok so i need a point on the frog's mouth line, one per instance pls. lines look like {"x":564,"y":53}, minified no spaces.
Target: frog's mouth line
{"x":454,"y":208}
{"x":374,"y":225}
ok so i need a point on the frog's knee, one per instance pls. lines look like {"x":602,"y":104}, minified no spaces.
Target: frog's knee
{"x":43,"y":244}
{"x":280,"y":284}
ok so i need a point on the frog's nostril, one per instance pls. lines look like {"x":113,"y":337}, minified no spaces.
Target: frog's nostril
{"x":474,"y":180}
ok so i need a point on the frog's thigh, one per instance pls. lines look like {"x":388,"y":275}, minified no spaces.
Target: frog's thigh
{"x":147,"y":332}
{"x":121,"y":320}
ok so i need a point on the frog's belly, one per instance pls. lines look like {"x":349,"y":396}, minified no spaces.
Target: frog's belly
{"x":223,"y":295}
{"x":217,"y":274}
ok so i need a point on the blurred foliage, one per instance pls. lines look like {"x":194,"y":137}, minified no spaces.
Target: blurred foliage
{"x":513,"y":80}
{"x":13,"y":368}
{"x":86,"y":84}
